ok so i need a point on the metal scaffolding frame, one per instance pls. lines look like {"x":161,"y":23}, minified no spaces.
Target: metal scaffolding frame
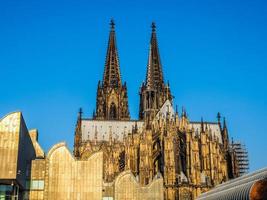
{"x":241,"y":157}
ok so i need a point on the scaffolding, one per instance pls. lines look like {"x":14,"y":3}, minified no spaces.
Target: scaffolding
{"x":241,"y":157}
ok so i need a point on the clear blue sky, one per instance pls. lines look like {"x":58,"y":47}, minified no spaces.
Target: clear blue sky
{"x":214,"y":53}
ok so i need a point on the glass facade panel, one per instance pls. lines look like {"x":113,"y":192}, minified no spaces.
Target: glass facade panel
{"x":41,"y":185}
{"x":8,"y":192}
{"x":35,"y":185}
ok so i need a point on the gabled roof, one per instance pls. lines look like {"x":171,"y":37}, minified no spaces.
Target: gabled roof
{"x":212,"y":126}
{"x":166,"y":109}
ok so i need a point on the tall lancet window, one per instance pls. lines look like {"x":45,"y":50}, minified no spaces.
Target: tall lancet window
{"x":112,"y":111}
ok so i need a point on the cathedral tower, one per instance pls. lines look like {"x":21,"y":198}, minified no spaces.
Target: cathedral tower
{"x":153,"y":92}
{"x":112,"y":99}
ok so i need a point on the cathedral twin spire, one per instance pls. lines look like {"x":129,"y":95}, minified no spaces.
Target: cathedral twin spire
{"x":154,"y":92}
{"x":154,"y":76}
{"x":112,"y":98}
{"x":112,"y":69}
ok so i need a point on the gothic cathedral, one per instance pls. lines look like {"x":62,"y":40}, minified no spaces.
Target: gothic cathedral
{"x":192,"y":157}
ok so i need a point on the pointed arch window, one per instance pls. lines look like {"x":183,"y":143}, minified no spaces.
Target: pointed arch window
{"x":113,"y":111}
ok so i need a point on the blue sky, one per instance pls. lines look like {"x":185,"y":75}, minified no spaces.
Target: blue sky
{"x":214,"y":54}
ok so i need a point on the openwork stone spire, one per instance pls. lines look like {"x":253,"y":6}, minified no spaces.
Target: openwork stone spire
{"x":154,"y":92}
{"x":111,"y":76}
{"x":154,"y":76}
{"x":112,"y":98}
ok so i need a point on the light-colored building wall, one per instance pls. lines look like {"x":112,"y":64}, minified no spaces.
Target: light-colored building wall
{"x":101,"y":129}
{"x":127,"y":187}
{"x":36,"y":181}
{"x":68,"y":178}
{"x":9,"y":145}
{"x":16,"y":149}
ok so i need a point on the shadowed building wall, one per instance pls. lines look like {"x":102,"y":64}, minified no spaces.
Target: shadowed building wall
{"x":16,"y":153}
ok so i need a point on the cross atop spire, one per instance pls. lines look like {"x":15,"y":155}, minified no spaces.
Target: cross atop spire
{"x":112,"y":24}
{"x":154,"y":76}
{"x":153,"y":26}
{"x":111,"y":76}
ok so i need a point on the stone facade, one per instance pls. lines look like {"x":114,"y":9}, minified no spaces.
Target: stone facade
{"x":112,"y":99}
{"x":191,"y":156}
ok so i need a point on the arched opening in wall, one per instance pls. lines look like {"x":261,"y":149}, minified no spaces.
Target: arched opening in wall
{"x":157,"y":163}
{"x":113,"y":111}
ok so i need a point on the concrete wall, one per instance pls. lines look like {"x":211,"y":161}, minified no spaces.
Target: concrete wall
{"x":68,"y":178}
{"x":26,"y":153}
{"x":38,"y":149}
{"x":16,"y":149}
{"x":127,"y":188}
{"x":9,"y":144}
{"x":36,"y":182}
